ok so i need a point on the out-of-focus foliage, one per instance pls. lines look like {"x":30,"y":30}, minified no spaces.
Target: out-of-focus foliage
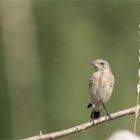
{"x":70,"y":34}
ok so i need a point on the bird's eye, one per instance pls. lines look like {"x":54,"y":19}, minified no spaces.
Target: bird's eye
{"x":102,"y":63}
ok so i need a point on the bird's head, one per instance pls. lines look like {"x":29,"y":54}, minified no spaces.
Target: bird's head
{"x":101,"y":65}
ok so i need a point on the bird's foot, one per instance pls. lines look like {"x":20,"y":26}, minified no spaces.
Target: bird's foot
{"x":108,"y":117}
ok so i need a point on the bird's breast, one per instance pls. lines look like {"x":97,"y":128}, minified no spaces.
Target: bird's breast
{"x":101,"y":86}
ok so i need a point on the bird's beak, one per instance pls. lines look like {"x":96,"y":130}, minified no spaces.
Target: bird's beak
{"x":91,"y":63}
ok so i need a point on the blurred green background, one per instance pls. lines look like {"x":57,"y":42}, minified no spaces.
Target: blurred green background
{"x":45,"y":47}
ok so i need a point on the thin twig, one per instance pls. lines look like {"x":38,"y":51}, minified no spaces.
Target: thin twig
{"x":84,"y":126}
{"x":137,"y":102}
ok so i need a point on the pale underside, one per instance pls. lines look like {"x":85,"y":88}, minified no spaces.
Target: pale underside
{"x":100,"y":87}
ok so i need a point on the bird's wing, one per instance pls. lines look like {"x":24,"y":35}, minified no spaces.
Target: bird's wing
{"x":108,"y":82}
{"x":90,"y":82}
{"x":90,"y":85}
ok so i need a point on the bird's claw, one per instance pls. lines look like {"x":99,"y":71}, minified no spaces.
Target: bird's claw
{"x":108,"y":117}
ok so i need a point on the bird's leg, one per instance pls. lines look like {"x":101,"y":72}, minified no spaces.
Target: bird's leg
{"x":92,"y":115}
{"x":107,"y":112}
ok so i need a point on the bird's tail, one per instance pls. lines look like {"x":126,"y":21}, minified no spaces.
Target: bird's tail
{"x":95,"y":114}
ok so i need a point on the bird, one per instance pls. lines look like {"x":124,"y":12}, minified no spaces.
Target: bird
{"x":100,"y":87}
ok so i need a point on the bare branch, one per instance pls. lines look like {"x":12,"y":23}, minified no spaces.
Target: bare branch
{"x":84,"y":126}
